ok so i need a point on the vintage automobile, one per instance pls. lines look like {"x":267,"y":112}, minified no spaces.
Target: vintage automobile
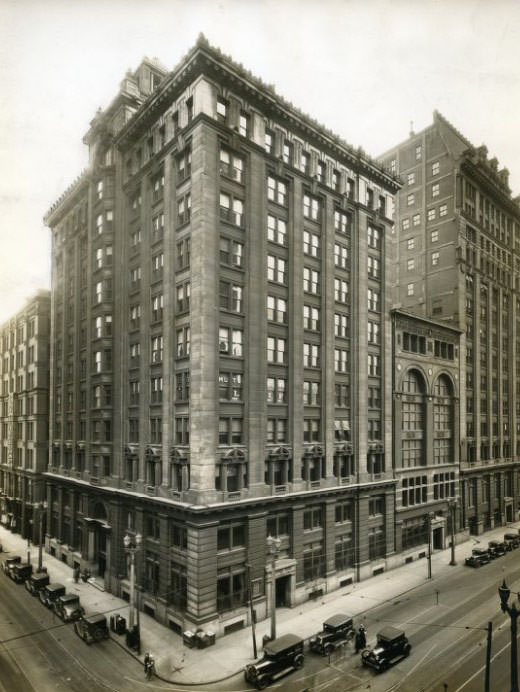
{"x":496,"y":548}
{"x":9,"y":562}
{"x":391,"y":647}
{"x":50,"y":593}
{"x":35,"y":583}
{"x":478,"y":557}
{"x":20,"y":572}
{"x":337,"y":630}
{"x":68,"y":607}
{"x":280,"y":656}
{"x":92,"y":628}
{"x":513,"y":539}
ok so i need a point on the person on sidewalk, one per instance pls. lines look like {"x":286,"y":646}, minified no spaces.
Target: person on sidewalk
{"x":149,"y":665}
{"x":76,"y":574}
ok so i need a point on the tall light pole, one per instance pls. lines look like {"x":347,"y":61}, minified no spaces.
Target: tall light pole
{"x":429,"y":556}
{"x":41,"y":507}
{"x":504,"y":593}
{"x":273,"y":548}
{"x":132,"y":545}
{"x":453,"y":506}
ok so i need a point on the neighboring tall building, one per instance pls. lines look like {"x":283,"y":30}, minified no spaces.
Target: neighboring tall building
{"x":24,"y":413}
{"x":221,"y":348}
{"x":458,"y":255}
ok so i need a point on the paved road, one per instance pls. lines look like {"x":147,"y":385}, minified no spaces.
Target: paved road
{"x":446,"y":622}
{"x":38,"y":652}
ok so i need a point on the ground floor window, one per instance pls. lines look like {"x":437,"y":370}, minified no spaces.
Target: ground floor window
{"x":343,"y":552}
{"x":231,"y":590}
{"x":313,"y":561}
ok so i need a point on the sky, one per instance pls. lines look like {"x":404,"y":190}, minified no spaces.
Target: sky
{"x":365,"y":69}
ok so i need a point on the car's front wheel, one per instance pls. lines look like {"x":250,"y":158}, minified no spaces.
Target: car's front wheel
{"x":328,"y":649}
{"x":262,"y":683}
{"x":298,"y":661}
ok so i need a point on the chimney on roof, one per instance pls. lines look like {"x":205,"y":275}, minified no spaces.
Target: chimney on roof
{"x":412,"y":133}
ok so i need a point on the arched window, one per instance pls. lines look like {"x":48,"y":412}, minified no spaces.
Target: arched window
{"x":413,"y":424}
{"x":443,"y":421}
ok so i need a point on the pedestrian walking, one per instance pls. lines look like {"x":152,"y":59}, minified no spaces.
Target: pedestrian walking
{"x":76,"y":575}
{"x":149,"y":665}
{"x":362,"y":637}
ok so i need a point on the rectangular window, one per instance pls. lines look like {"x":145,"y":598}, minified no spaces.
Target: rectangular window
{"x":374,"y":365}
{"x":340,"y":360}
{"x":340,"y":291}
{"x":373,"y":300}
{"x":231,"y":252}
{"x":311,"y":355}
{"x":184,"y":209}
{"x":373,"y":332}
{"x":183,"y":342}
{"x":276,"y":350}
{"x":276,"y":230}
{"x":435,"y":168}
{"x":311,"y":244}
{"x":311,"y":207}
{"x":373,"y":267}
{"x":411,"y":178}
{"x":287,"y":151}
{"x":276,"y":430}
{"x":410,"y":264}
{"x":311,"y":280}
{"x":311,"y":430}
{"x":341,"y":221}
{"x":158,"y":225}
{"x":341,"y":256}
{"x":311,"y":317}
{"x":276,"y":309}
{"x":230,"y":296}
{"x":435,"y":190}
{"x":230,"y":431}
{"x":230,"y":386}
{"x":405,"y":224}
{"x":269,"y":141}
{"x":416,"y":219}
{"x":431,"y":214}
{"x":276,"y":191}
{"x":443,"y":210}
{"x":276,"y":390}
{"x":243,"y":125}
{"x":276,"y":269}
{"x":231,"y":165}
{"x":410,"y":200}
{"x":305,"y":162}
{"x":410,"y":244}
{"x":434,"y":237}
{"x":435,"y":259}
{"x":340,"y":325}
{"x":374,"y":238}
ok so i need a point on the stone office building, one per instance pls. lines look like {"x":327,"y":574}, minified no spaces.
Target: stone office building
{"x":24,"y":414}
{"x":221,"y":349}
{"x":458,"y":255}
{"x":426,"y":433}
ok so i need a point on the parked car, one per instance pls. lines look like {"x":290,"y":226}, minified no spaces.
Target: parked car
{"x":391,"y":647}
{"x":50,"y":593}
{"x":20,"y":572}
{"x":337,"y":630}
{"x":68,"y":607}
{"x":92,"y":628}
{"x":280,"y":656}
{"x":9,"y":562}
{"x":513,"y":539}
{"x":496,"y":548}
{"x":478,"y":557}
{"x":35,"y":583}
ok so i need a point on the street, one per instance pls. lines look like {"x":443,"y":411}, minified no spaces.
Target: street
{"x":445,"y":620}
{"x":38,"y":652}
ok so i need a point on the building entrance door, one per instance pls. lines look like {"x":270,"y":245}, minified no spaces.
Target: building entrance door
{"x":438,"y":539}
{"x":282,"y":591}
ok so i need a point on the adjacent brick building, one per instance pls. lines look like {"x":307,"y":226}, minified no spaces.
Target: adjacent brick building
{"x":24,"y":413}
{"x":458,"y":259}
{"x":221,"y":363}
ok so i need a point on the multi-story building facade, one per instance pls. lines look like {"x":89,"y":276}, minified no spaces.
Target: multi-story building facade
{"x":221,"y":349}
{"x":457,"y":251}
{"x":24,"y":413}
{"x":426,"y":433}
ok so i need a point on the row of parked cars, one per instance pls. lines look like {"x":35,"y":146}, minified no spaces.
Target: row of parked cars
{"x":67,"y":606}
{"x":287,"y":652}
{"x":481,"y":556}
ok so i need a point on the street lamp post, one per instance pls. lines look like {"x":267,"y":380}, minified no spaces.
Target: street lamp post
{"x":504,"y":593}
{"x":41,"y":507}
{"x":132,"y":545}
{"x":273,"y":548}
{"x":429,"y":556}
{"x":453,"y":507}
{"x":29,"y":532}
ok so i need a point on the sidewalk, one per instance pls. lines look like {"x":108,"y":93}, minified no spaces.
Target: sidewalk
{"x":182,"y":665}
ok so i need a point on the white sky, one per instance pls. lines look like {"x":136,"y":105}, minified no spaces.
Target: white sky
{"x":363,"y":68}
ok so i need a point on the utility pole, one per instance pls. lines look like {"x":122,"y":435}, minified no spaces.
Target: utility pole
{"x":429,"y":524}
{"x":487,"y":688}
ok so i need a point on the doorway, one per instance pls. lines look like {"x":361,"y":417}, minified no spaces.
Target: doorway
{"x":438,"y":538}
{"x":283,"y":585}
